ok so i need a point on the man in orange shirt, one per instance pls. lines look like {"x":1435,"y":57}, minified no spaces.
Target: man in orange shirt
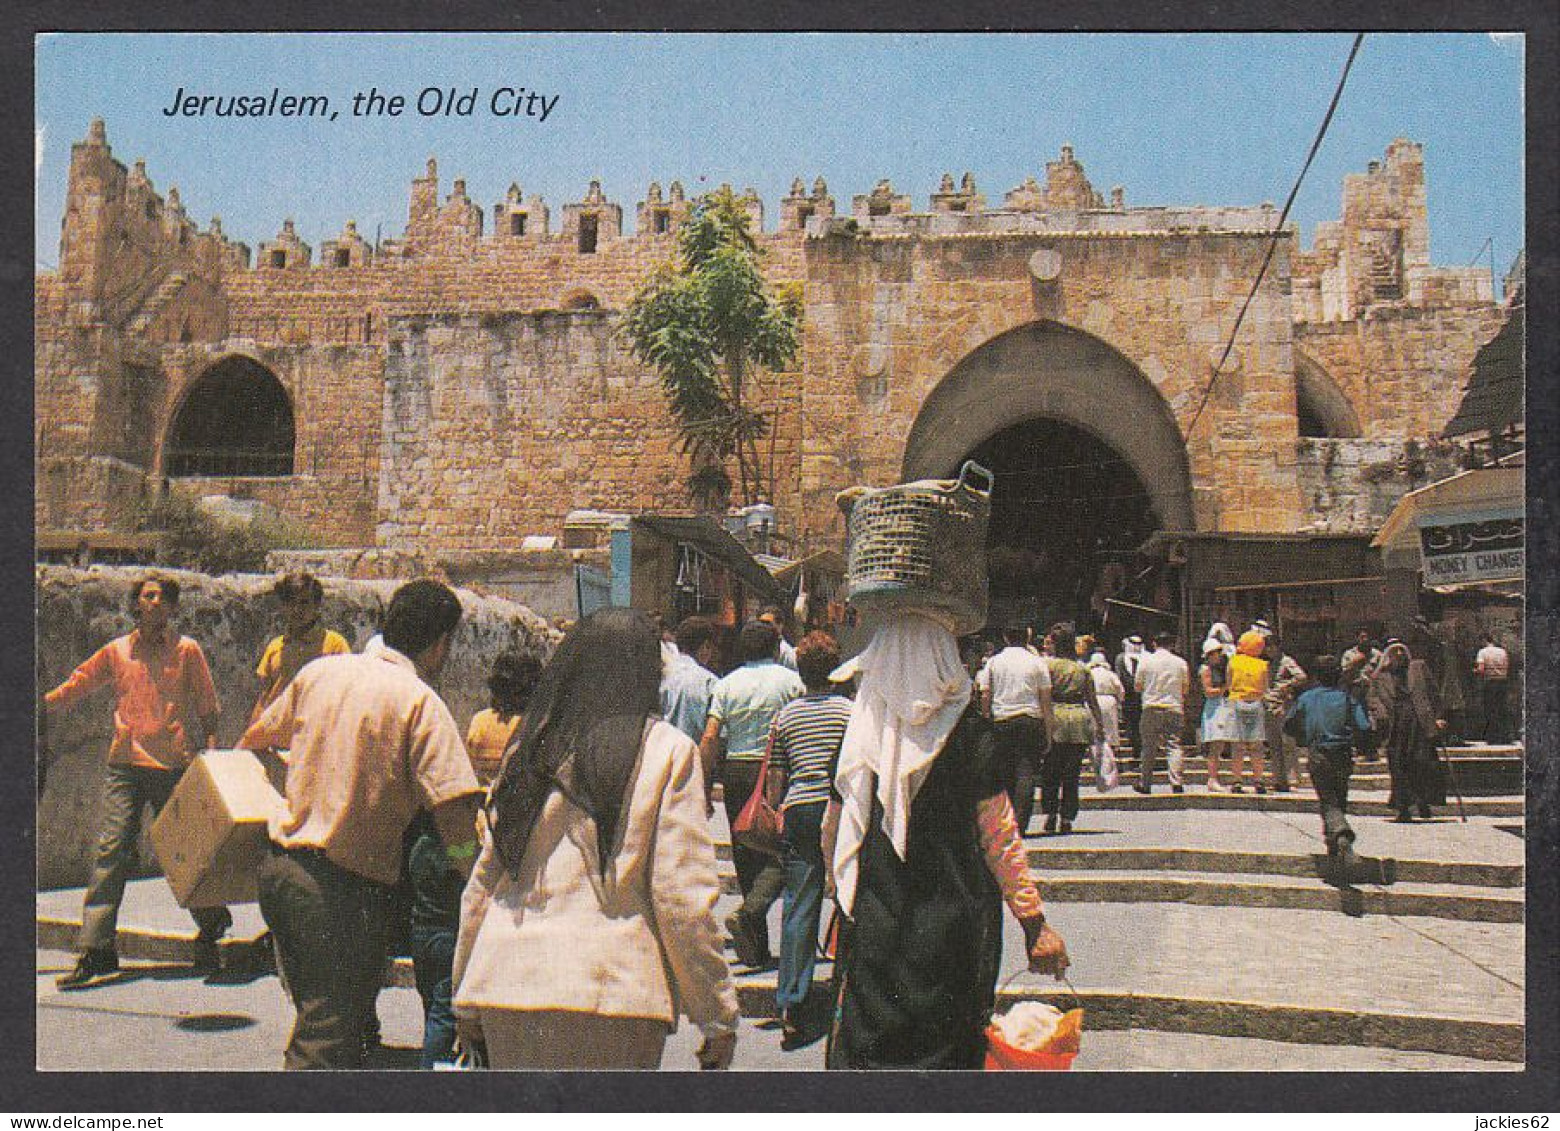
{"x":166,"y":711}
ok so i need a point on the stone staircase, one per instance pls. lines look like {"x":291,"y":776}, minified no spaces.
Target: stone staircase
{"x":1217,"y":915}
{"x":1194,"y":914}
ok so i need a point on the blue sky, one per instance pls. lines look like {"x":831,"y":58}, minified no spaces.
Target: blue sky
{"x":1174,"y":118}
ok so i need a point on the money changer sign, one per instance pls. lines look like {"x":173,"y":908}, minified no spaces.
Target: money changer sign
{"x":1487,"y":546}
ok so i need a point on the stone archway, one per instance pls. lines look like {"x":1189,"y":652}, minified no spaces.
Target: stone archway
{"x":235,"y":419}
{"x":1048,"y":370}
{"x":1088,"y":462}
{"x":1322,"y":409}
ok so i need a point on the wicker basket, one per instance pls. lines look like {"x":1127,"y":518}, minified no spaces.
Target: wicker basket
{"x":921,"y":545}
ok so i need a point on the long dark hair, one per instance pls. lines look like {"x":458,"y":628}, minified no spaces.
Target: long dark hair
{"x":582,"y":731}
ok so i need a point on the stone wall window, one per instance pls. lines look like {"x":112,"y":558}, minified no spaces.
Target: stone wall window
{"x":804,"y":213}
{"x":517,"y":223}
{"x":663,"y":221}
{"x":343,"y":257}
{"x":235,"y":420}
{"x":878,"y":208}
{"x":278,"y":259}
{"x":587,"y":244}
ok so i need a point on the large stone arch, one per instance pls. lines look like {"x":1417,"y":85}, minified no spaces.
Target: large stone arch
{"x":1322,"y":408}
{"x":1047,"y":369}
{"x":234,"y":419}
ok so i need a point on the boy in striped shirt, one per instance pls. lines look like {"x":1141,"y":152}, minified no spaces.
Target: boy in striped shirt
{"x":804,"y":748}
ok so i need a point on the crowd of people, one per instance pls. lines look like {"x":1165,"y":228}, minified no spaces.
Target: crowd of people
{"x":554,"y":873}
{"x":1260,"y":707}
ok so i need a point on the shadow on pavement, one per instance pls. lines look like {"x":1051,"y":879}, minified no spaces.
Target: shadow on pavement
{"x":215,"y":1022}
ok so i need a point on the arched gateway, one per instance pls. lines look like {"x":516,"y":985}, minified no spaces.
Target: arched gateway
{"x":1088,"y":457}
{"x":236,"y":419}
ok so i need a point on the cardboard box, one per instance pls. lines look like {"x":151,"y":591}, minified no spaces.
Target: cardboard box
{"x":211,"y":836}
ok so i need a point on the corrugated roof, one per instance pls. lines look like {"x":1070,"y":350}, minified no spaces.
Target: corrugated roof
{"x":1492,"y":401}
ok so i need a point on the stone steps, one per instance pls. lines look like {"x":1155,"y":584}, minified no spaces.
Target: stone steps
{"x":1112,"y":1010}
{"x":1367,"y":894}
{"x":1049,"y":860}
{"x":1213,"y":909}
{"x":1477,"y":776}
{"x":1372,"y":803}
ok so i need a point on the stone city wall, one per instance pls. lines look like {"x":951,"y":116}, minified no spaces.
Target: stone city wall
{"x":460,"y":386}
{"x":1351,"y":485}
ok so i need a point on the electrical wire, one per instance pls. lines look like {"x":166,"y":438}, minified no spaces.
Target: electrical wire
{"x":1278,"y":229}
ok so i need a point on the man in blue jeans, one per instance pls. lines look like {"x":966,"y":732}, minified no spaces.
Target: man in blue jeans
{"x":435,"y":913}
{"x":743,"y":704}
{"x":1326,"y":720}
{"x":804,"y":749}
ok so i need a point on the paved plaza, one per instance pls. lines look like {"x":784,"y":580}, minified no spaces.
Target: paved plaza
{"x":1201,"y":939}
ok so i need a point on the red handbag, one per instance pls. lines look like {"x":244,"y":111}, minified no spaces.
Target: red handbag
{"x":758,"y":826}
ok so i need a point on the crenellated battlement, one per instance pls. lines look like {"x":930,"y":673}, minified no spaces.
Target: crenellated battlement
{"x":1377,"y":252}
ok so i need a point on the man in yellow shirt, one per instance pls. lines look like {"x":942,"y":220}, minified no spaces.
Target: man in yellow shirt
{"x":304,"y":638}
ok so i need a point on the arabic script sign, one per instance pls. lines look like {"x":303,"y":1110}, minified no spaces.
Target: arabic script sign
{"x":1472,"y":547}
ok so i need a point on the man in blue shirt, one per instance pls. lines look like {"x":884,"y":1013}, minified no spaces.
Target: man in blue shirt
{"x":687,"y":682}
{"x":736,"y":736}
{"x":1325,"y":720}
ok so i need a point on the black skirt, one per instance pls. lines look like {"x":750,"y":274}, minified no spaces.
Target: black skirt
{"x":918,"y":963}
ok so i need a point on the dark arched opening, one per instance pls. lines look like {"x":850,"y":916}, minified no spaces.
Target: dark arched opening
{"x":236,"y":420}
{"x":1322,"y":411}
{"x":1089,"y":462}
{"x":1068,"y":514}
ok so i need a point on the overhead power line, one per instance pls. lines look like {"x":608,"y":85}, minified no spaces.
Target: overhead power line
{"x":1276,"y":232}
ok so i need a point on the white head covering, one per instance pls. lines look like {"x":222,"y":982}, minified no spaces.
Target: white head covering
{"x":1098,"y":660}
{"x":913,"y":690}
{"x":1221,"y":635}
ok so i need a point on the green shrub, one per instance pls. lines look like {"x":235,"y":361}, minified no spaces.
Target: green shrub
{"x":190,"y":537}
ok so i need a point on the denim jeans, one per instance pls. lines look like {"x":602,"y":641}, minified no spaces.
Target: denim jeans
{"x":803,"y":865}
{"x":433,"y":961}
{"x":1330,"y":769}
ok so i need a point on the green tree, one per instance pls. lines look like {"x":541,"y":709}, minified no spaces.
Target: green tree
{"x":707,"y":324}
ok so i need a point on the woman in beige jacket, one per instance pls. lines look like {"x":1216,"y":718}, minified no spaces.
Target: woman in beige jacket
{"x":589,"y":925}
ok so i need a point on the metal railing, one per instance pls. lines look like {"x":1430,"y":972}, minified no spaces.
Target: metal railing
{"x":227,"y":462}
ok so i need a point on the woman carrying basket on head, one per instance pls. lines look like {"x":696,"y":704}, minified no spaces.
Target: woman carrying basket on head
{"x":927,"y":847}
{"x":927,"y":853}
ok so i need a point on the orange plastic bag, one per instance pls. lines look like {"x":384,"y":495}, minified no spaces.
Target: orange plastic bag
{"x":1057,"y":1055}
